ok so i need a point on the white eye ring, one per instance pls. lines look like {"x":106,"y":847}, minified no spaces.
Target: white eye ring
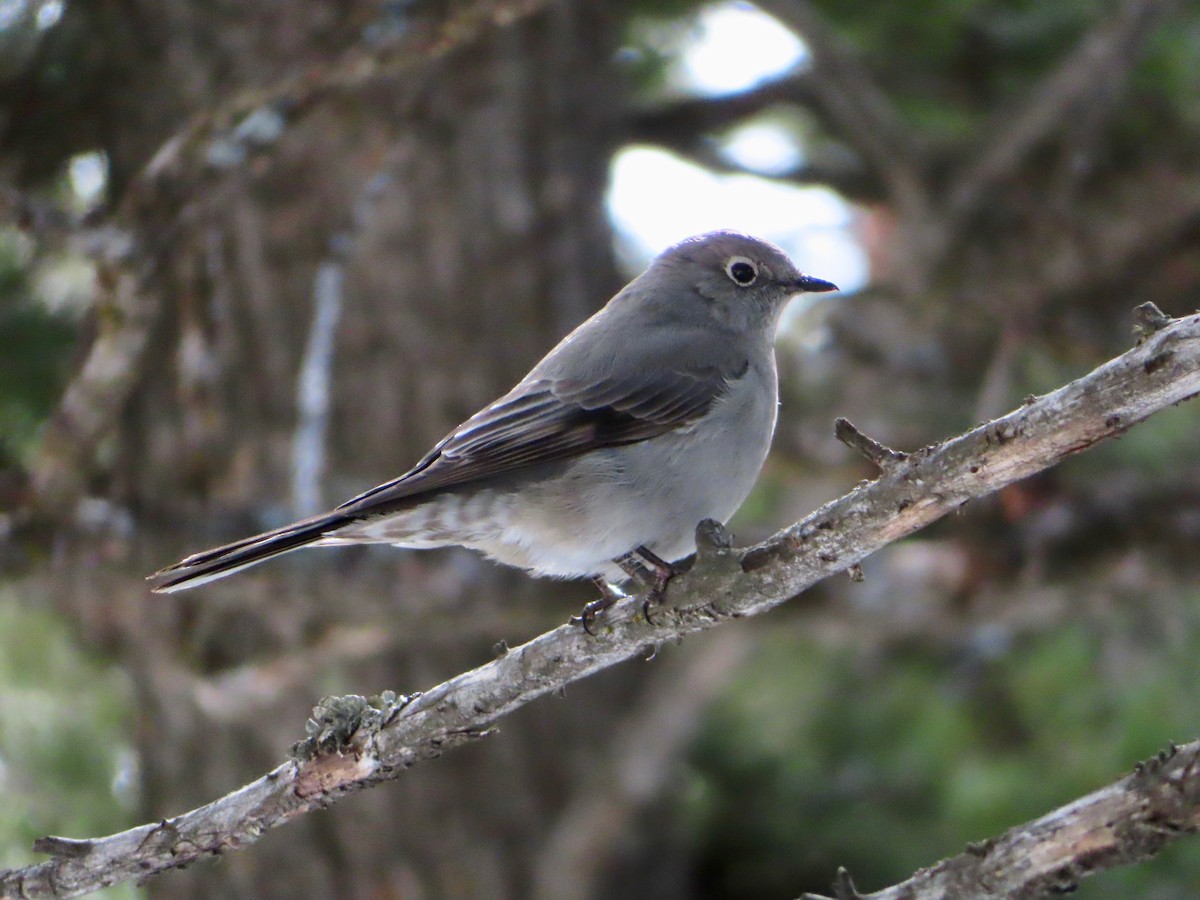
{"x":741,"y":271}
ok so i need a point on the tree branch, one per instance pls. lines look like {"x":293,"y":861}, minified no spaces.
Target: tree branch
{"x":1126,"y":822}
{"x":693,"y":117}
{"x":688,"y":126}
{"x":355,"y":744}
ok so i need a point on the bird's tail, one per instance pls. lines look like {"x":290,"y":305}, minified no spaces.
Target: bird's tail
{"x":209,"y":565}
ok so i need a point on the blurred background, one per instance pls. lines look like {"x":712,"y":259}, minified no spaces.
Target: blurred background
{"x":255,"y":258}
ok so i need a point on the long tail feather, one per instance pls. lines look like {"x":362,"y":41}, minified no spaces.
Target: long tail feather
{"x":209,"y":565}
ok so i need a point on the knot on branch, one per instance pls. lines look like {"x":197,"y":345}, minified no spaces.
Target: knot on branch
{"x":715,"y":569}
{"x":883,"y":457}
{"x":335,"y":720}
{"x":712,"y":540}
{"x":1147,"y":319}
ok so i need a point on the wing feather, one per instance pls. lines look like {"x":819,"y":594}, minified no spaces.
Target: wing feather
{"x":545,"y":420}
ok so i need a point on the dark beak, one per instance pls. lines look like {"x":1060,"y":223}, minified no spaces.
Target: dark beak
{"x":811,"y":285}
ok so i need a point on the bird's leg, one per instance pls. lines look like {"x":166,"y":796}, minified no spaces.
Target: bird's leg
{"x":662,"y":572}
{"x":636,"y":567}
{"x":642,"y":565}
{"x":632,"y":565}
{"x":608,"y":596}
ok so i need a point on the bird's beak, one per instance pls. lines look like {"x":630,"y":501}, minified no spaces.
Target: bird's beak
{"x":810,"y":285}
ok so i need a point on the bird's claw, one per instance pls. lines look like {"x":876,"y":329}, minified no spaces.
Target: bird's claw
{"x":654,"y":597}
{"x":640,"y":564}
{"x":587,"y":616}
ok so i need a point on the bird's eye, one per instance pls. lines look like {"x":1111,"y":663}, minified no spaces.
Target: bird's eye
{"x":742,"y":271}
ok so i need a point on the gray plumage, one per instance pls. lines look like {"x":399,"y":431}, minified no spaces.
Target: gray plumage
{"x":655,"y":413}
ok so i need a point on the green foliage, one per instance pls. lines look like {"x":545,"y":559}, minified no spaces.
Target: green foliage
{"x":951,"y":64}
{"x":35,"y":349}
{"x":886,"y":764}
{"x":64,"y":742}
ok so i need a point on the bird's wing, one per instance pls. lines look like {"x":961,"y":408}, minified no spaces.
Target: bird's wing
{"x":547,"y":419}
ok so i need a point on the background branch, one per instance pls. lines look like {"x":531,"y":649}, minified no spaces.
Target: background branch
{"x":1126,"y":822}
{"x":355,"y":744}
{"x":687,"y":127}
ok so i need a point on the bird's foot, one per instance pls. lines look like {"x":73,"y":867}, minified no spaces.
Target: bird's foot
{"x":644,"y":566}
{"x":608,"y":596}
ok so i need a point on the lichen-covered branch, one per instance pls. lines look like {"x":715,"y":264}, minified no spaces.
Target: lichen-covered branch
{"x":355,"y":744}
{"x":1126,"y":822}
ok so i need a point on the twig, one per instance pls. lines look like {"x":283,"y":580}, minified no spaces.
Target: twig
{"x":1161,"y":371}
{"x":883,"y":457}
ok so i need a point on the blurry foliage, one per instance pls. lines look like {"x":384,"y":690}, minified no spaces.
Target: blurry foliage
{"x":951,"y":64}
{"x":653,"y":40}
{"x":886,"y":762}
{"x":36,"y":347}
{"x":65,"y":759}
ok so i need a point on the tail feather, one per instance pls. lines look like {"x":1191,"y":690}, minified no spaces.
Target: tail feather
{"x":209,"y":565}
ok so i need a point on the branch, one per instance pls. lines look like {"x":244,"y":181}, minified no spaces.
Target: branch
{"x":687,"y":127}
{"x":1126,"y":822}
{"x":848,"y":178}
{"x":694,"y":117}
{"x":92,"y":402}
{"x":355,"y":744}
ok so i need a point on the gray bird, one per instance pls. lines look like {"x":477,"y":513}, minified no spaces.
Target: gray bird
{"x":655,"y":413}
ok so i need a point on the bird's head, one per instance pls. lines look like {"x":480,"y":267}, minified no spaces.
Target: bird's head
{"x":741,"y":280}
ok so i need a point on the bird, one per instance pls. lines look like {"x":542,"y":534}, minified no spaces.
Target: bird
{"x":654,"y":414}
